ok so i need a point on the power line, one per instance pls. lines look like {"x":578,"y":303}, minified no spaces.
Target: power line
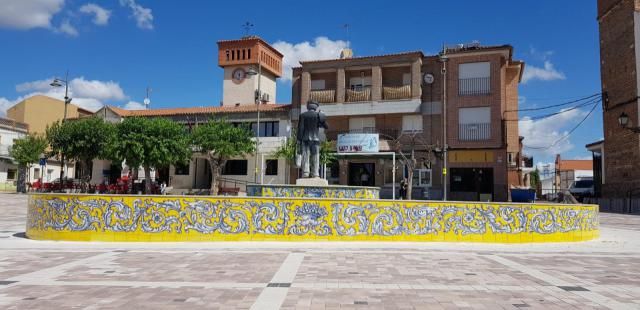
{"x":567,"y":135}
{"x":594,"y":101}
{"x":557,"y":105}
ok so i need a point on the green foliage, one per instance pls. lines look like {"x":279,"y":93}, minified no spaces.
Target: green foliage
{"x":220,"y":139}
{"x":534,"y":178}
{"x":82,"y":140}
{"x":289,"y":149}
{"x":27,"y":150}
{"x":150,"y":142}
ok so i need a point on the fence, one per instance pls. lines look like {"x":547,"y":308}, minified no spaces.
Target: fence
{"x":617,"y":205}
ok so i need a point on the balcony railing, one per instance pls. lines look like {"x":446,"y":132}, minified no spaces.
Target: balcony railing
{"x":359,"y":95}
{"x":324,"y":96}
{"x":397,"y":92}
{"x":474,"y":86}
{"x":474,"y":132}
{"x":385,"y":133}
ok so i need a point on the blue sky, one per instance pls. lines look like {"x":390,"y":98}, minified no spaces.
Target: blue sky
{"x":114,"y":49}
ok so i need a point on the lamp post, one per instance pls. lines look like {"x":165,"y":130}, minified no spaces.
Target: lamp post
{"x":57,"y":82}
{"x":623,"y":121}
{"x":258,"y":100}
{"x":444,"y":59}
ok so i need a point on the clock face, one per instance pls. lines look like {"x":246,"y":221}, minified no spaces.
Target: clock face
{"x":428,"y":78}
{"x":238,"y":75}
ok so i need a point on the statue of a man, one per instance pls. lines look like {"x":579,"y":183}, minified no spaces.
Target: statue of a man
{"x":309,"y":139}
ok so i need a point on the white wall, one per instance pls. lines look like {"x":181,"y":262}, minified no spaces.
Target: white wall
{"x":244,"y":92}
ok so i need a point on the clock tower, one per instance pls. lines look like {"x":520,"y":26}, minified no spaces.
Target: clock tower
{"x":237,"y":58}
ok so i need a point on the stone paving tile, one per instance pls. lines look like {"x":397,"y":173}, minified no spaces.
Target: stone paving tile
{"x":620,"y":221}
{"x":299,"y":298}
{"x":591,"y":270}
{"x":428,"y":268}
{"x":187,"y":266}
{"x":13,"y":263}
{"x":95,"y":297}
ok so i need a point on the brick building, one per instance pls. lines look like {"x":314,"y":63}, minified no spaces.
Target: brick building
{"x":399,"y":98}
{"x":619,"y":22}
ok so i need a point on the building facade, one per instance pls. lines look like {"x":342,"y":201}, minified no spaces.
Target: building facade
{"x":398,"y":98}
{"x":619,"y":22}
{"x":251,"y":67}
{"x":10,"y":130}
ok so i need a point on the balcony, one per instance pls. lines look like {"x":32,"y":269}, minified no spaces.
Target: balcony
{"x":385,"y":133}
{"x":474,"y":132}
{"x":358,"y":94}
{"x":323,"y":96}
{"x":474,"y":86}
{"x":396,"y":92}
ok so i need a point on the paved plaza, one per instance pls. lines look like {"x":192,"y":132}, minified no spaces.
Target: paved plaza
{"x":598,"y":274}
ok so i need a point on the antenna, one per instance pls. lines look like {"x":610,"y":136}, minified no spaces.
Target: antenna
{"x":247,"y":28}
{"x":346,"y":27}
{"x":147,"y":100}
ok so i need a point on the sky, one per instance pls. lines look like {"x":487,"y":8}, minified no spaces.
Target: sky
{"x":115,"y":49}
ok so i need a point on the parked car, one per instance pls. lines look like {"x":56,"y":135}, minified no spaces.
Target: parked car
{"x":582,"y":188}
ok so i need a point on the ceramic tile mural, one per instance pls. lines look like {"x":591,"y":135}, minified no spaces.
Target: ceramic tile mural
{"x":193,"y":218}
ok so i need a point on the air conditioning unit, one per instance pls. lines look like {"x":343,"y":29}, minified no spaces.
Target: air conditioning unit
{"x":265,"y":97}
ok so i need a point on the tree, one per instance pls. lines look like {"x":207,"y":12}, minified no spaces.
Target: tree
{"x":82,"y":140}
{"x":26,"y":151}
{"x":289,"y":148}
{"x":150,"y":143}
{"x":221,"y":141}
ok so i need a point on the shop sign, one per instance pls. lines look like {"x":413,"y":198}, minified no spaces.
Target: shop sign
{"x":358,"y":143}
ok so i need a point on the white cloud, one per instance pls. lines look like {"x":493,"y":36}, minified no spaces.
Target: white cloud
{"x":67,"y":29}
{"x":28,"y":14}
{"x":133,"y":105}
{"x":321,"y":48}
{"x":142,"y":15}
{"x":548,"y":73}
{"x":540,"y":135}
{"x":100,"y":14}
{"x":88,"y":94}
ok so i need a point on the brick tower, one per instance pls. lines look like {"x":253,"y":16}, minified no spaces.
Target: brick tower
{"x":619,"y":22}
{"x":236,"y":57}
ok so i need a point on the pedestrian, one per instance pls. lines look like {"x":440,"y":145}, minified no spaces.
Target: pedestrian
{"x":403,"y":188}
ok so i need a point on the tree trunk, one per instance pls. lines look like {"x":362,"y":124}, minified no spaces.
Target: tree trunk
{"x":147,"y":180}
{"x":215,"y":166}
{"x":409,"y":181}
{"x":86,"y":175}
{"x":22,"y":179}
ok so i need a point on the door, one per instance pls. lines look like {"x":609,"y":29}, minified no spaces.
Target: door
{"x":362,"y":174}
{"x":471,"y":184}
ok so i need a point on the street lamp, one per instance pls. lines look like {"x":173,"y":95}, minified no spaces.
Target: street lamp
{"x":444,"y":59}
{"x":57,"y":82}
{"x":623,"y":121}
{"x":258,"y":99}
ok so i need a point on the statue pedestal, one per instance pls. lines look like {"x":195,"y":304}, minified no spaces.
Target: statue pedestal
{"x":312,"y":182}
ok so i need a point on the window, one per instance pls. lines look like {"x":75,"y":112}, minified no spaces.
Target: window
{"x":359,"y":83}
{"x":267,"y":129}
{"x":511,"y":159}
{"x":474,"y":124}
{"x":474,"y":78}
{"x":182,"y":169}
{"x":317,"y":85}
{"x":271,"y":167}
{"x":424,"y":177}
{"x":36,"y":173}
{"x":249,"y":53}
{"x":412,"y":123}
{"x":235,"y":167}
{"x":11,"y":174}
{"x":406,"y":79}
{"x":227,"y":52}
{"x":362,"y":124}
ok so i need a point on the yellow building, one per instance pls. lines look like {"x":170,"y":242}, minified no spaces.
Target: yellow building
{"x":40,"y":111}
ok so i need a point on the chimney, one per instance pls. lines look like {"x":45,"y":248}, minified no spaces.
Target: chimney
{"x":346,"y":53}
